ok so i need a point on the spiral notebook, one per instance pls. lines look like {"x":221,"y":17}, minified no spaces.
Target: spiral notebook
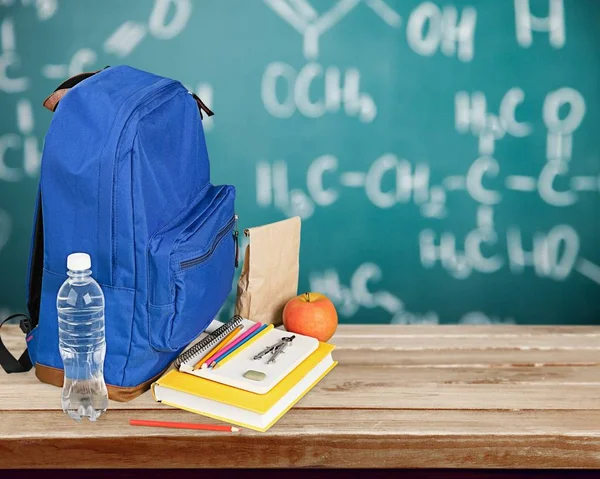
{"x":232,"y":373}
{"x":196,"y":352}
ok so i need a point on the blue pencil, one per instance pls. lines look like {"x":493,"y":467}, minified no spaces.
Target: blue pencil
{"x":224,"y":355}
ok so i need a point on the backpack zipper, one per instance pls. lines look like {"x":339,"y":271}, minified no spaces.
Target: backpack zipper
{"x":220,"y":235}
{"x":236,"y":235}
{"x":143,"y":102}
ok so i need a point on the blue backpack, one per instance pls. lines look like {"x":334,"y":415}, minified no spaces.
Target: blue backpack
{"x":125,"y":177}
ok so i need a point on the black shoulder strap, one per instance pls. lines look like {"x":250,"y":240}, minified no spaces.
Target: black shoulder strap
{"x":8,"y":362}
{"x":36,"y":267}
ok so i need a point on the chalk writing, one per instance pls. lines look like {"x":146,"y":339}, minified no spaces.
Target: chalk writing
{"x":527,"y":23}
{"x":167,"y":20}
{"x":307,"y":21}
{"x":340,"y":89}
{"x":430,"y":29}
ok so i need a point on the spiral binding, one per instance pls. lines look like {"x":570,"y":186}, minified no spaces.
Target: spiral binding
{"x":209,"y":341}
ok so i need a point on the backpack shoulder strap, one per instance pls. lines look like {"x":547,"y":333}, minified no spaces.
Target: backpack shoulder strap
{"x":8,"y":362}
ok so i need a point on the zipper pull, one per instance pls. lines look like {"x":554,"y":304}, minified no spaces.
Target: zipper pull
{"x":236,"y":234}
{"x":201,"y":106}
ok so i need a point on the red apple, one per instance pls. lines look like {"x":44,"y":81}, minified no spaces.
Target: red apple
{"x":311,"y":314}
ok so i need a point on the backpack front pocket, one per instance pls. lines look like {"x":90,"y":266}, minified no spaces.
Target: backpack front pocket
{"x":190,"y":268}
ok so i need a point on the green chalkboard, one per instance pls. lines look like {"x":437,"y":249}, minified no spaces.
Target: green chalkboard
{"x":444,"y":155}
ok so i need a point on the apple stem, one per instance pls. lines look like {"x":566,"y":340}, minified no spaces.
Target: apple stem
{"x":307,"y":296}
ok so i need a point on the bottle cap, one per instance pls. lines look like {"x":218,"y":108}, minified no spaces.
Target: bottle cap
{"x":79,"y":262}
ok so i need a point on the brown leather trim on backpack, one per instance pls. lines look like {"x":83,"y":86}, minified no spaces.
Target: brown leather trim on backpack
{"x":54,"y":98}
{"x":52,"y":101}
{"x":54,"y":376}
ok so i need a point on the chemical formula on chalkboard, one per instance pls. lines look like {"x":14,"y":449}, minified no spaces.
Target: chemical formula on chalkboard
{"x":483,"y":182}
{"x":553,"y":254}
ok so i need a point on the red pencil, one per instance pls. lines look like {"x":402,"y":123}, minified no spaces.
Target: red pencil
{"x":182,"y":425}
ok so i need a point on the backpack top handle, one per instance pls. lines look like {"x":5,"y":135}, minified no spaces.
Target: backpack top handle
{"x":52,"y":101}
{"x":54,"y":98}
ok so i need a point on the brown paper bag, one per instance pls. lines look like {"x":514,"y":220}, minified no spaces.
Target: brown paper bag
{"x":269,"y":275}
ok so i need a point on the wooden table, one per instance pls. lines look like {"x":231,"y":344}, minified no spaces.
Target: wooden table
{"x":402,"y":396}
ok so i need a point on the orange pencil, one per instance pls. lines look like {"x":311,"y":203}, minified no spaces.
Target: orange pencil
{"x":182,"y":425}
{"x":221,"y":344}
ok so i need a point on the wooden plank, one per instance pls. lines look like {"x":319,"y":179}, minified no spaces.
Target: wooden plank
{"x":379,"y":348}
{"x":448,"y":330}
{"x":394,"y":388}
{"x":368,"y":438}
{"x":416,"y":338}
{"x":467,"y":358}
{"x":18,"y":425}
{"x":585,"y":342}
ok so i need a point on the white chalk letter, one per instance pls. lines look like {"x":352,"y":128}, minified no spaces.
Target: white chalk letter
{"x":268,"y":91}
{"x":561,"y":267}
{"x":459,"y":32}
{"x":479,"y":262}
{"x":359,"y":282}
{"x":158,"y":26}
{"x":8,"y":84}
{"x":384,"y":164}
{"x":481,"y":167}
{"x":470,"y":111}
{"x":7,"y":142}
{"x":551,"y":170}
{"x":425,"y":41}
{"x":513,"y":98}
{"x":302,"y":91}
{"x":527,"y":23}
{"x":314,"y":180}
{"x":555,"y":101}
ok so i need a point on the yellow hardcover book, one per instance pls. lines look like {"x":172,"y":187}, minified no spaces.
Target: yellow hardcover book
{"x":244,"y":408}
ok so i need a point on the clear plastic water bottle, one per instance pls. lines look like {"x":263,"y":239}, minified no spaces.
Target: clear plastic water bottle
{"x":80,"y":305}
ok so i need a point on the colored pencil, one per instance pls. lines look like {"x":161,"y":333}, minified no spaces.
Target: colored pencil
{"x":231,"y":345}
{"x":219,"y":345}
{"x":204,"y":362}
{"x":240,"y":346}
{"x":233,"y":352}
{"x":182,"y":425}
